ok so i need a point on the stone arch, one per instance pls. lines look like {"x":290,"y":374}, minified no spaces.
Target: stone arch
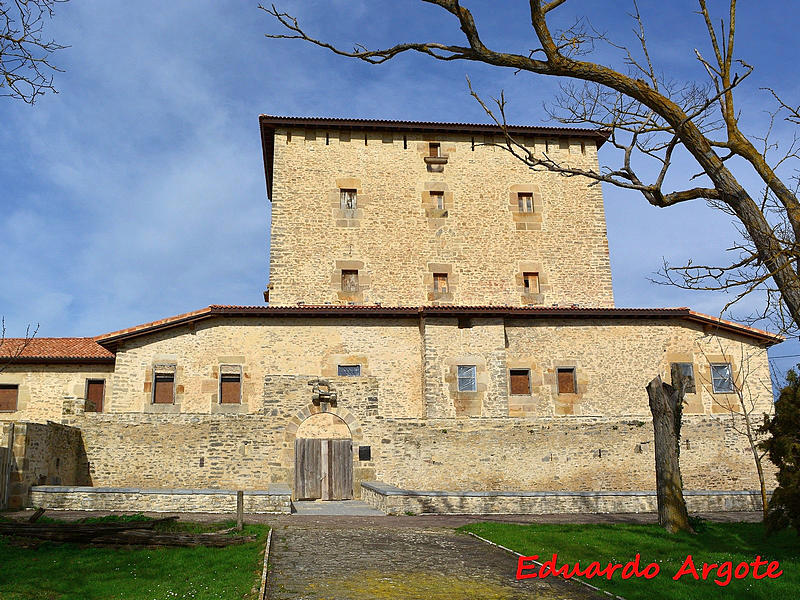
{"x":345,"y":415}
{"x":324,"y":425}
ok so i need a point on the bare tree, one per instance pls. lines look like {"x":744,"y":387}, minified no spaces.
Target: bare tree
{"x":666,"y":406}
{"x":741,"y":404}
{"x":25,"y":69}
{"x":652,"y":118}
{"x":13,"y":349}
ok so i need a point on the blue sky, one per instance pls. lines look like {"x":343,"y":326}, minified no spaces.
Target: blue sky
{"x":138,"y":191}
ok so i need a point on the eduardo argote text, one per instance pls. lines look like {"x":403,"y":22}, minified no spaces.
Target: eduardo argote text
{"x":529,"y":567}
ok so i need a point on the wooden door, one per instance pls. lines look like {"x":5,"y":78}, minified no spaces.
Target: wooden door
{"x":323,"y":469}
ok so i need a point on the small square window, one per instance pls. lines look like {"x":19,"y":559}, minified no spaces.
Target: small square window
{"x":434,"y":149}
{"x":525,"y":202}
{"x":349,"y":280}
{"x":347,"y":199}
{"x":230,"y":384}
{"x":520,"y":381}
{"x":721,"y":379}
{"x":9,"y":393}
{"x":349,"y":370}
{"x":687,"y":370}
{"x":95,"y":390}
{"x":440,"y":283}
{"x":438,"y":199}
{"x":467,"y":379}
{"x":530,"y":283}
{"x":566,"y":380}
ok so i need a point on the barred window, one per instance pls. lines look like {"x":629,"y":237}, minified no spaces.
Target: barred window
{"x":687,"y":370}
{"x":349,"y":280}
{"x":440,"y":283}
{"x":349,"y":370}
{"x":525,"y":202}
{"x":467,"y":378}
{"x":721,"y":379}
{"x":347,"y":199}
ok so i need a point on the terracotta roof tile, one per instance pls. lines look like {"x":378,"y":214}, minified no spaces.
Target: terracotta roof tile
{"x":69,"y":349}
{"x":323,"y":310}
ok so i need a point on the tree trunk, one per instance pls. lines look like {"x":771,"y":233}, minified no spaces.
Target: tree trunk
{"x":666,"y":407}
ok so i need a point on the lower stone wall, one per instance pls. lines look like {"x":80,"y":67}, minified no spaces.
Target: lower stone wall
{"x":276,"y":499}
{"x":396,"y":501}
{"x":41,"y":454}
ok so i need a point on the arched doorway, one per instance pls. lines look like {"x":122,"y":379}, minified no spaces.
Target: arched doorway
{"x":323,"y":459}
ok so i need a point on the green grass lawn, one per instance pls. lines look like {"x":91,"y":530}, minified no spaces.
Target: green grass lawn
{"x":73,"y":572}
{"x":714,"y":543}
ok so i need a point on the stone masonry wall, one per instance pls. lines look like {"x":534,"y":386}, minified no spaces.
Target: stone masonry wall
{"x":275,"y":499}
{"x":388,"y":349}
{"x":42,"y":388}
{"x":220,"y":451}
{"x":397,"y":240}
{"x":44,"y":453}
{"x":395,"y":501}
{"x":554,"y":454}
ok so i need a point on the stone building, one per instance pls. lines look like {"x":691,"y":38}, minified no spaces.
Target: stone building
{"x":440,"y":335}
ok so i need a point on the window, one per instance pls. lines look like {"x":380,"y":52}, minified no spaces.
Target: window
{"x":95,"y":390}
{"x":721,"y":380}
{"x":687,"y":370}
{"x":347,"y":199}
{"x":438,"y":199}
{"x":349,"y":370}
{"x":530,"y":283}
{"x":440,"y":283}
{"x":520,"y":381}
{"x":8,"y":396}
{"x":525,"y":202}
{"x":349,"y":280}
{"x":230,"y":384}
{"x":435,"y":149}
{"x":164,"y":385}
{"x":566,"y":380}
{"x":467,"y":381}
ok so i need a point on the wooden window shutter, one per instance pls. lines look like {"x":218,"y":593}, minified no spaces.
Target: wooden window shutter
{"x":230,"y":388}
{"x":164,"y":388}
{"x":434,"y":149}
{"x":520,"y":381}
{"x":95,"y":390}
{"x":530,"y":283}
{"x":8,"y":396}
{"x":566,"y":381}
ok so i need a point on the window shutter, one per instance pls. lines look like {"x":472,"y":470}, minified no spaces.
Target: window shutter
{"x":164,"y":385}
{"x":95,"y":389}
{"x":566,"y":381}
{"x":520,"y":382}
{"x":8,"y":397}
{"x":230,"y":388}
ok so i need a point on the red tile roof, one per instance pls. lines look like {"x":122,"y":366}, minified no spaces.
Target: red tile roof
{"x":71,"y":349}
{"x":328,"y":310}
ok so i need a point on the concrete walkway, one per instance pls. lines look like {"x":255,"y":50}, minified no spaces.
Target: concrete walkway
{"x":323,"y":560}
{"x":343,"y":508}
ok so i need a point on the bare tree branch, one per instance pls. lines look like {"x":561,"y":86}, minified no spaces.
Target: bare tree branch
{"x":25,"y":68}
